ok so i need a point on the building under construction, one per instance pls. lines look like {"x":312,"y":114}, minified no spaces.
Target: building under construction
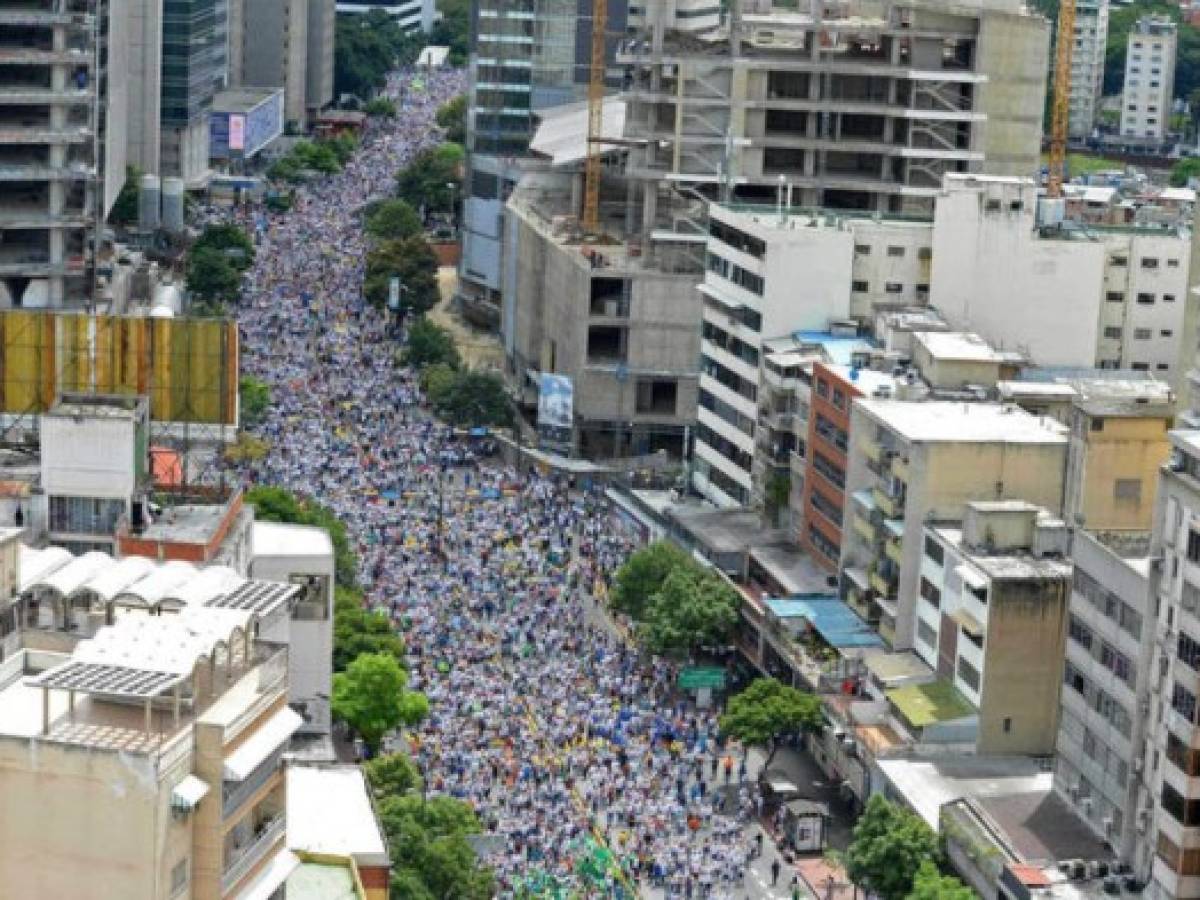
{"x":62,"y":144}
{"x":850,"y":104}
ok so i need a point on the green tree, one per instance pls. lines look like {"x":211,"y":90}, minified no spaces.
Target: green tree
{"x":370,"y":697}
{"x":125,"y":208}
{"x":1184,"y":170}
{"x":425,"y":181}
{"x":390,"y":220}
{"x":319,"y":157}
{"x":641,"y":576}
{"x":358,"y":631}
{"x":437,"y":381}
{"x":453,"y":29}
{"x":211,"y":278}
{"x":473,"y":398}
{"x":692,"y":609}
{"x":775,"y":497}
{"x":430,"y":344}
{"x":431,"y":856}
{"x":930,"y":884}
{"x":452,"y":116}
{"x":767,"y":711}
{"x":230,"y":241}
{"x":413,"y":262}
{"x":381,"y":107}
{"x":889,"y":845}
{"x":366,"y":48}
{"x":393,"y":775}
{"x":255,"y":397}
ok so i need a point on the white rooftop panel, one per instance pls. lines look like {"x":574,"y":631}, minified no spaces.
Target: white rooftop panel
{"x":76,"y":573}
{"x":36,"y":565}
{"x":119,"y":576}
{"x":329,"y":812}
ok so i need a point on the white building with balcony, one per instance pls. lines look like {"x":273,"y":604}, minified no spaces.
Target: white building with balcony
{"x":1149,"y":80}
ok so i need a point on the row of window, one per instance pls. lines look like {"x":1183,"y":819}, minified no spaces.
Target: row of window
{"x":727,"y":377}
{"x":894,"y":251}
{"x":724,"y":482}
{"x":826,"y":507}
{"x":735,"y":273}
{"x":729,"y":343}
{"x":828,"y":470}
{"x":1114,"y":332}
{"x":1148,"y":262}
{"x":831,"y":433}
{"x":1128,"y":618}
{"x":727,"y":413}
{"x":1098,"y":699}
{"x":1143,"y":297}
{"x":752,"y":319}
{"x":737,"y":239}
{"x":725,"y":447}
{"x":1108,"y":656}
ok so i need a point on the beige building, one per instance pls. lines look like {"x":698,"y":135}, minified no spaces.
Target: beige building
{"x":991,"y":619}
{"x":912,"y":462}
{"x":1117,"y":448}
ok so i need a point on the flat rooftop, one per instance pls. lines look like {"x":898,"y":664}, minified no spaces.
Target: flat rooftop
{"x":278,"y":539}
{"x":329,"y":813}
{"x":930,"y":703}
{"x":1007,"y":565}
{"x":838,"y":348}
{"x":1042,"y":827}
{"x":868,"y":381}
{"x":928,"y":784}
{"x":945,"y":421}
{"x":960,"y":346}
{"x":242,"y":99}
{"x":189,"y":523}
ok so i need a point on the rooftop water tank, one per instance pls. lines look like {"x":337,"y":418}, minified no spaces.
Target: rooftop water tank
{"x":148,"y":203}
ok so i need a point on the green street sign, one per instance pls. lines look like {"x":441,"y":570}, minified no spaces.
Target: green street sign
{"x":701,"y":677}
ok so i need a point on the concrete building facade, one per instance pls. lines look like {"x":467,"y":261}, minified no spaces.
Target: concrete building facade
{"x":1149,"y":80}
{"x":1106,"y":683}
{"x":864,"y":108}
{"x":912,"y":462}
{"x":1087,"y":66}
{"x":63,"y":104}
{"x":411,"y":15}
{"x":991,"y":619}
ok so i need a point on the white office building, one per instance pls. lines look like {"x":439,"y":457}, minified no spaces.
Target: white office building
{"x":1087,"y":65}
{"x":1149,"y":80}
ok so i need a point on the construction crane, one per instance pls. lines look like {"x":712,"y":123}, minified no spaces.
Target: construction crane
{"x":1061,"y":112}
{"x":591,"y":185}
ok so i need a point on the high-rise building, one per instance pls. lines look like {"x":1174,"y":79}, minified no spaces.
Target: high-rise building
{"x":144,"y":123}
{"x":195,"y":65}
{"x":63,"y":94}
{"x":1087,"y":65}
{"x":287,"y":44}
{"x":1149,"y":80}
{"x":526,"y":55}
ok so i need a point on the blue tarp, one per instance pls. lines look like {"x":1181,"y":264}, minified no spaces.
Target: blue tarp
{"x":839,"y":348}
{"x":836,"y":623}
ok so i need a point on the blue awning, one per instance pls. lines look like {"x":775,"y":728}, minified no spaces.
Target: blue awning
{"x":836,"y":623}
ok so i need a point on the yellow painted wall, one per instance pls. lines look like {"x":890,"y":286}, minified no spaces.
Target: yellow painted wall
{"x":188,"y":367}
{"x":1126,"y":448}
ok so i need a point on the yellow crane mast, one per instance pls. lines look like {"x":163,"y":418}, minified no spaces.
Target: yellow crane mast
{"x":1061,"y":111}
{"x":591,"y":187}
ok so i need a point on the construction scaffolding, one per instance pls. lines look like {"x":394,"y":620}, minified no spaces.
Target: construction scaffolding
{"x":187,"y":368}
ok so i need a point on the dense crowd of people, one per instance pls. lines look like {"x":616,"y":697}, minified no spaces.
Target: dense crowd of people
{"x":566,"y":743}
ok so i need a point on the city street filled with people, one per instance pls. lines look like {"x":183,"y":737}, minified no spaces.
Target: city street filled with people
{"x":566,"y":741}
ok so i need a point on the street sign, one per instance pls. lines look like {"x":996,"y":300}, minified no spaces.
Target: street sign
{"x":701,"y":677}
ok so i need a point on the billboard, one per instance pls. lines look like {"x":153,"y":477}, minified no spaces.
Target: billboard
{"x":556,"y":399}
{"x":237,"y":132}
{"x":188,"y":368}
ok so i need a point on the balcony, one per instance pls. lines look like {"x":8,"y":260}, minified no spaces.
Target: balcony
{"x":871,"y":450}
{"x":241,"y":861}
{"x":880,"y":585}
{"x":865,"y":529}
{"x":900,"y":468}
{"x":888,"y":505}
{"x":893,"y":551}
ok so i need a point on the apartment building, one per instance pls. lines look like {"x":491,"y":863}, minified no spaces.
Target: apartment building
{"x":1087,"y":66}
{"x":1106,"y":682}
{"x":173,"y":727}
{"x":823,"y":505}
{"x":1149,"y":80}
{"x":195,"y":66}
{"x":1094,"y":296}
{"x":991,"y":619}
{"x":912,"y":462}
{"x":63,"y":95}
{"x":1117,"y":446}
{"x":287,"y":44}
{"x":856,"y":105}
